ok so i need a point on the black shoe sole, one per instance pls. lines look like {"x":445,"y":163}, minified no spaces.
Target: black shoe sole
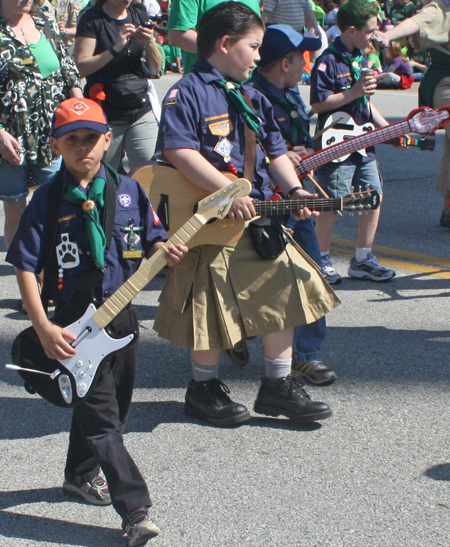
{"x":301,"y":418}
{"x":193,"y":412}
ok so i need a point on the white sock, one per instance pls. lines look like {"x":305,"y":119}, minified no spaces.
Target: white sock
{"x":203,"y":374}
{"x":362,"y":254}
{"x":325,"y":253}
{"x":277,"y":368}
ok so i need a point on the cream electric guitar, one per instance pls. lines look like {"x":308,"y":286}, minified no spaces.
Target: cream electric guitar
{"x":68,"y":382}
{"x":175,"y":197}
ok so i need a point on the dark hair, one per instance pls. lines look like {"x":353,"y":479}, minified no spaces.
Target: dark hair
{"x":267,"y":68}
{"x":355,"y":13}
{"x":228,"y":18}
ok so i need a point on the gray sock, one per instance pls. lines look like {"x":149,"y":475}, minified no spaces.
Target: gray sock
{"x":203,"y":374}
{"x":277,"y":368}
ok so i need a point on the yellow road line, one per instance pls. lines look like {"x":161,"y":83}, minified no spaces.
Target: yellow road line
{"x":398,"y":264}
{"x":397,"y":252}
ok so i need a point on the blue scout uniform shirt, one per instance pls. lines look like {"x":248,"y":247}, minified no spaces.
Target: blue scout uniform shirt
{"x":331,"y":75}
{"x":197,"y":114}
{"x":28,"y":247}
{"x":282,"y":117}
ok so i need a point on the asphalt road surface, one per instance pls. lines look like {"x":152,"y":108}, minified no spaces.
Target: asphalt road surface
{"x":374,"y":475}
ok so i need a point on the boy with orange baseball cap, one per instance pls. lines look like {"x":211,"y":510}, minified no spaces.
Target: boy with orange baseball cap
{"x":94,"y":211}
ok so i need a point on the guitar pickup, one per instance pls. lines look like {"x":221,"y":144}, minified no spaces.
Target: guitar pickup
{"x":163,"y":211}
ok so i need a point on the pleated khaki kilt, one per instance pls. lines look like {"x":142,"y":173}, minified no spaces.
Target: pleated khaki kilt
{"x":218,"y":295}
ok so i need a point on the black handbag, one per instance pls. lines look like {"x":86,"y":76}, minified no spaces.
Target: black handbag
{"x":269,"y":239}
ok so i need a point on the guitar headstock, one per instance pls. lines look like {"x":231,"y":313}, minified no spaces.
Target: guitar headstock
{"x":361,"y":201}
{"x":426,"y":121}
{"x":218,"y":204}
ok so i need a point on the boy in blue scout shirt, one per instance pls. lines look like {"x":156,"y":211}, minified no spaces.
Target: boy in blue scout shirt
{"x":279,"y":71}
{"x":80,"y":134}
{"x":338,"y":85}
{"x":223,"y":294}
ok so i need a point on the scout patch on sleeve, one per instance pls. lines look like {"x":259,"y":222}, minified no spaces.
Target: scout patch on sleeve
{"x":221,"y":128}
{"x":156,"y":219}
{"x":171,"y":98}
{"x":169,"y":102}
{"x":322,"y":67}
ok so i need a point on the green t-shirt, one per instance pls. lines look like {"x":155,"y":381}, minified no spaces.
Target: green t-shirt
{"x":186,"y":14}
{"x":376,"y":60}
{"x":171,"y":52}
{"x":163,"y":58}
{"x":45,"y":56}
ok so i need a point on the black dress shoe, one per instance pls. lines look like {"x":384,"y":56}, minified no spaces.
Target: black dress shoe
{"x":445,"y":219}
{"x":239,"y":354}
{"x":209,"y":401}
{"x":286,"y":397}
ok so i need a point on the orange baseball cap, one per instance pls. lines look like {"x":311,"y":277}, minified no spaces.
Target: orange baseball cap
{"x":78,"y":113}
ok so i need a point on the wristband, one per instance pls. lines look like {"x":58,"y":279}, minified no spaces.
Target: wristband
{"x":292,"y":191}
{"x":2,"y":127}
{"x":113,"y":52}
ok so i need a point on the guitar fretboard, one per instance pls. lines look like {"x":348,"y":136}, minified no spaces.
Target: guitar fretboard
{"x":352,"y":145}
{"x":125,"y":294}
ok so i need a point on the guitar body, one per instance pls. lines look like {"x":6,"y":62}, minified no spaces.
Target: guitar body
{"x":175,"y":199}
{"x":343,"y":128}
{"x":77,"y":375}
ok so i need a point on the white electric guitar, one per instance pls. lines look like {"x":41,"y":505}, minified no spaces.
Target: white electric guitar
{"x":68,"y":382}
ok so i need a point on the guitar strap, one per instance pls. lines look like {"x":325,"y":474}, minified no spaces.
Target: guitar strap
{"x":250,"y":145}
{"x":55,"y":197}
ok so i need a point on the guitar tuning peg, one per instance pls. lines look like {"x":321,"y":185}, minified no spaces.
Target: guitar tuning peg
{"x":351,"y":213}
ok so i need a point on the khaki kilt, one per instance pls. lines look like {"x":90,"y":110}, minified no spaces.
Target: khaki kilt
{"x":218,"y":295}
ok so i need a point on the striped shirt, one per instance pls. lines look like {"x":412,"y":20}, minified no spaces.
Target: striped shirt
{"x":288,"y":12}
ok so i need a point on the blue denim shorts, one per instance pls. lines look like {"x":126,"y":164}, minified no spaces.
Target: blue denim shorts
{"x":339,"y":180}
{"x":14,"y":178}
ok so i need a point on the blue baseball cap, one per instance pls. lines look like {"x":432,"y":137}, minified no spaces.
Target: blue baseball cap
{"x":279,"y":40}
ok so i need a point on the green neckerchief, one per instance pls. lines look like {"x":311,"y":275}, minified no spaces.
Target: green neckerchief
{"x":95,"y":235}
{"x":292,"y":110}
{"x":234,"y":93}
{"x":355,"y":68}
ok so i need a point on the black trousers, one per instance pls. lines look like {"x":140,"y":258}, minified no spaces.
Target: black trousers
{"x":97,"y":426}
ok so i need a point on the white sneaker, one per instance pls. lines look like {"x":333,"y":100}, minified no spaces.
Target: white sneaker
{"x":328,"y":271}
{"x":370,"y":269}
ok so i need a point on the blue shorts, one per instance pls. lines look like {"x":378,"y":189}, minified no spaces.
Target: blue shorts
{"x":14,"y":178}
{"x":339,"y":180}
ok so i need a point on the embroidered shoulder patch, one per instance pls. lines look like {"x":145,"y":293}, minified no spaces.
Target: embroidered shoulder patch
{"x":169,"y":102}
{"x":322,"y":67}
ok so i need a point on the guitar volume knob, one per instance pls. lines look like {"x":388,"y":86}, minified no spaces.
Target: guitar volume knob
{"x":79,"y":364}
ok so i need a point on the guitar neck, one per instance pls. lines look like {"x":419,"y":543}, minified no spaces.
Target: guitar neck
{"x":289,"y":206}
{"x":125,"y":294}
{"x":354,"y":144}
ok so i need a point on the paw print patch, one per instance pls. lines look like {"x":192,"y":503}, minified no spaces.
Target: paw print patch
{"x":67,"y":253}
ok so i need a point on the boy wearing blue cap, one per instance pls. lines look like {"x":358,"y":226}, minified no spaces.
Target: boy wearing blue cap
{"x":278,"y":73}
{"x":339,"y":85}
{"x":88,"y":188}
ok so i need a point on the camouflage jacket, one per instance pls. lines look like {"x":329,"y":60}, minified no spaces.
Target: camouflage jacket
{"x":27,"y":100}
